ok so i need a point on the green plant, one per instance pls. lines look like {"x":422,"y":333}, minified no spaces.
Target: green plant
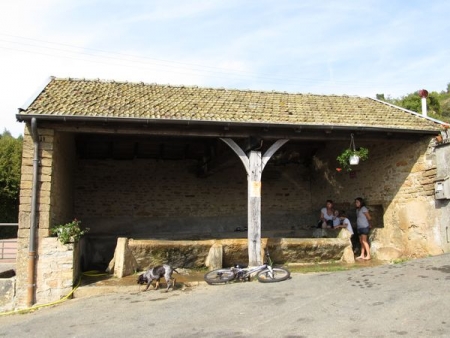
{"x":344,"y":157}
{"x":69,"y":232}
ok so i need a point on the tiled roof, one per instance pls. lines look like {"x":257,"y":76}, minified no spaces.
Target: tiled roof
{"x":108,"y":99}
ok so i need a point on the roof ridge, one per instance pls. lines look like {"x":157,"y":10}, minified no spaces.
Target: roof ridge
{"x":205,"y":88}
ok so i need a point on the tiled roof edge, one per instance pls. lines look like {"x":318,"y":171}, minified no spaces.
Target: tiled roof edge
{"x":410,"y":112}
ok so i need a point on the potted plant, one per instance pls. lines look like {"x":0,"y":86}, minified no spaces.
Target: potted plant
{"x":70,"y":232}
{"x":352,"y":155}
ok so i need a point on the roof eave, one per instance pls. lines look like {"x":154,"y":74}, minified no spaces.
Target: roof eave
{"x":187,"y":122}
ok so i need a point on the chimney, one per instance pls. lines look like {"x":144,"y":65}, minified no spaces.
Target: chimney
{"x":424,"y":94}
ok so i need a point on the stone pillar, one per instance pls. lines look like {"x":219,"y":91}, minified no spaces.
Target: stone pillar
{"x":215,"y":257}
{"x":124,"y":262}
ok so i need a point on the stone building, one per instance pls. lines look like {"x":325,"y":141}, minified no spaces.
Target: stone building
{"x":148,"y":161}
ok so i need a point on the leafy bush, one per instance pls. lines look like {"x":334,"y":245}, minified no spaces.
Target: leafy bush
{"x":69,"y":232}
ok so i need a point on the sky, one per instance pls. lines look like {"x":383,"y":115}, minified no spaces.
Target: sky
{"x":331,"y":47}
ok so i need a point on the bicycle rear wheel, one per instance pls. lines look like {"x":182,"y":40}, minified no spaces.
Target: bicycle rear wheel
{"x":276,"y":275}
{"x":219,"y":276}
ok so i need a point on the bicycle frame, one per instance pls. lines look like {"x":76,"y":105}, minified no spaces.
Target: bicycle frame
{"x":248,"y":272}
{"x":265,"y":273}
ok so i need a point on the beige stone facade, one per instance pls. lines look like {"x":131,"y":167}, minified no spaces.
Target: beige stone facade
{"x":147,"y":161}
{"x":142,"y":198}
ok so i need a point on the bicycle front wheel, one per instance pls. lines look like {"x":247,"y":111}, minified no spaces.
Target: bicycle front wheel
{"x":276,"y":275}
{"x":219,"y":276}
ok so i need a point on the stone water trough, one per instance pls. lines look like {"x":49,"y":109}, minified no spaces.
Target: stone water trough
{"x":323,"y":245}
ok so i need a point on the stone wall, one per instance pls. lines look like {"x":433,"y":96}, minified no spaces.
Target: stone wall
{"x":7,"y":293}
{"x":57,"y":270}
{"x":54,"y":202}
{"x":144,"y":254}
{"x":62,"y":179}
{"x":127,"y":196}
{"x":399,"y":177}
{"x":441,"y":215}
{"x":43,"y":205}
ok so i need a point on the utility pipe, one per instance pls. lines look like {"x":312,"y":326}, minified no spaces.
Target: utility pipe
{"x":423,"y":93}
{"x":424,"y":107}
{"x":32,"y":245}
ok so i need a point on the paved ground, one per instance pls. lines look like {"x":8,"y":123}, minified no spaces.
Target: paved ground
{"x":409,"y":300}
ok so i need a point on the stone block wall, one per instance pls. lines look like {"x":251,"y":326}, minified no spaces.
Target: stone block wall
{"x":46,"y":138}
{"x":7,"y":293}
{"x":56,"y":270}
{"x":141,"y":196}
{"x":442,"y":215}
{"x":62,"y":179}
{"x":145,"y":254}
{"x":115,"y":197}
{"x":399,"y":176}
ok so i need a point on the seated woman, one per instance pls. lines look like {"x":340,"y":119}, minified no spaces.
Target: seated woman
{"x":326,"y":216}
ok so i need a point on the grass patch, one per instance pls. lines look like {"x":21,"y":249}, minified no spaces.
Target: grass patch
{"x":331,"y":267}
{"x":400,"y":260}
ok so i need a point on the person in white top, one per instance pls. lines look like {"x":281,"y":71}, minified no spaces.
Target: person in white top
{"x":344,"y":223}
{"x":336,"y":219}
{"x":363,"y":225}
{"x":326,"y":215}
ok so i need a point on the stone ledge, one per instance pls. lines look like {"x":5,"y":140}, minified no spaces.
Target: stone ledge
{"x":194,"y":254}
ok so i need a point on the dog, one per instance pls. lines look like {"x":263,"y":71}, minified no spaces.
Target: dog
{"x":156,"y":273}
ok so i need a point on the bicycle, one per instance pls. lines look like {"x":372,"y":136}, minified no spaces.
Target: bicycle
{"x":265,"y":273}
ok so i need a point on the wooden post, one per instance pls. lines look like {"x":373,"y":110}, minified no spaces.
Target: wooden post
{"x":254,"y":208}
{"x":254,"y":165}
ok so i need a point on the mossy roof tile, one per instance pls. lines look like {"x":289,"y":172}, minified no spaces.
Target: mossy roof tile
{"x":102,"y":99}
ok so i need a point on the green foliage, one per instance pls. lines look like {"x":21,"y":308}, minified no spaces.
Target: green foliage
{"x":69,"y":232}
{"x":344,"y":157}
{"x":10,"y":163}
{"x":438,"y":103}
{"x":414,"y":102}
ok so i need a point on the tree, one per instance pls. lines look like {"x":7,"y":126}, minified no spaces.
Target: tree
{"x":434,"y":103}
{"x":413,"y":102}
{"x":446,"y":108}
{"x":10,"y":164}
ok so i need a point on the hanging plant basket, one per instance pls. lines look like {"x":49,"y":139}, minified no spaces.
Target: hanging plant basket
{"x":352,"y":155}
